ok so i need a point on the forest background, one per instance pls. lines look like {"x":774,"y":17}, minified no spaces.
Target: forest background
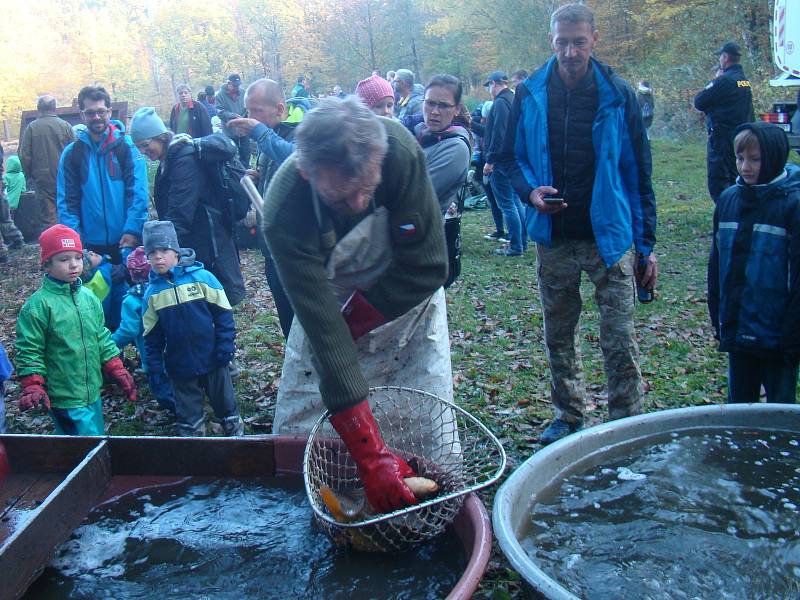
{"x":140,"y":49}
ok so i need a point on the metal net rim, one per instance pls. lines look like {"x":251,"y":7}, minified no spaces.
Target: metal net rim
{"x":377,"y":519}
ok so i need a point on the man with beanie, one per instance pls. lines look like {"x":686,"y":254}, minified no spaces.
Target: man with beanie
{"x":727,"y":102}
{"x":192,"y":340}
{"x":230,"y":105}
{"x":753,"y":286}
{"x":63,"y":348}
{"x":577,"y":153}
{"x":39,"y":151}
{"x":102,"y":190}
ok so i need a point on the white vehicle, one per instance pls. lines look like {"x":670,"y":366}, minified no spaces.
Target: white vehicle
{"x":786,"y":54}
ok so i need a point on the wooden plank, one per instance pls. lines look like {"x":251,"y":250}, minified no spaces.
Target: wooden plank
{"x":26,"y":552}
{"x":47,"y":453}
{"x":251,"y":456}
{"x":28,"y":491}
{"x":14,"y":487}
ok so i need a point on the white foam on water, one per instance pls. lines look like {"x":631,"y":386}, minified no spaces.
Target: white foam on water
{"x":573,"y":560}
{"x":90,"y":548}
{"x":625,"y":474}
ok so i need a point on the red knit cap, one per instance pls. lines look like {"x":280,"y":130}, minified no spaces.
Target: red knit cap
{"x":374,"y":89}
{"x":59,"y":238}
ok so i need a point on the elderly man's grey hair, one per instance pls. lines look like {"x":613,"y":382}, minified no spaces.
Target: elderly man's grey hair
{"x":572,"y":13}
{"x":341,"y":134}
{"x":404,"y":75}
{"x":46,"y":104}
{"x":182,"y":86}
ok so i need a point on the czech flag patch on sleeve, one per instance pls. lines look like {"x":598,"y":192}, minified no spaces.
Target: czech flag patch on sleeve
{"x":407,"y":229}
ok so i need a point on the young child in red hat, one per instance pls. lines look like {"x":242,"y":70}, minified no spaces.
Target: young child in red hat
{"x":63,"y":346}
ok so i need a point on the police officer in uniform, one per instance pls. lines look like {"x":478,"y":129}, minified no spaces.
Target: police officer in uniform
{"x":727,"y":102}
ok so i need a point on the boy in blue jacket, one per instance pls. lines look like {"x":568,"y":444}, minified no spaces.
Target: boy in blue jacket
{"x":131,"y":330}
{"x":189,"y":332}
{"x":754,"y":268}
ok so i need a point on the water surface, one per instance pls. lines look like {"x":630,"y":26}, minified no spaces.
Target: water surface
{"x":707,"y":514}
{"x":233,"y":539}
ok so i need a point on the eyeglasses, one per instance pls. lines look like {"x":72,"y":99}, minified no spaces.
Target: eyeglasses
{"x":431,"y":104}
{"x":100,"y":112}
{"x":143,"y":145}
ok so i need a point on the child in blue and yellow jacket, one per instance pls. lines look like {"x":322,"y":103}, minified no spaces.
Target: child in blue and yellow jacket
{"x":189,"y":332}
{"x":754,"y":268}
{"x":131,"y":329}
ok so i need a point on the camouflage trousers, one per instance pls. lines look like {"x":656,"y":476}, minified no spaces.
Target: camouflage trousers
{"x":560,"y":267}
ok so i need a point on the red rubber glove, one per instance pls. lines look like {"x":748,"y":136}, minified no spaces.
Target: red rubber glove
{"x":33,"y":392}
{"x":381,"y":471}
{"x":360,"y":315}
{"x":116,"y":371}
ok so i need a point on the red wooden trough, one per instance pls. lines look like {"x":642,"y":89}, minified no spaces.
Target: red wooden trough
{"x":55,"y":481}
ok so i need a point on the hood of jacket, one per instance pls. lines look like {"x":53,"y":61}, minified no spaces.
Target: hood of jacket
{"x":773,"y":146}
{"x":13,"y":164}
{"x":426,"y":137}
{"x":113,"y":135}
{"x":787,"y":180}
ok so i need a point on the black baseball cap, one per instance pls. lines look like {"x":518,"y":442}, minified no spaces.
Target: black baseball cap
{"x":498,"y":77}
{"x":235,"y":79}
{"x":731,"y":48}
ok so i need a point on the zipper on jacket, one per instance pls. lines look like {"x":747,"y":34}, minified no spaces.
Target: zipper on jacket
{"x":83,"y":340}
{"x":102,"y":194}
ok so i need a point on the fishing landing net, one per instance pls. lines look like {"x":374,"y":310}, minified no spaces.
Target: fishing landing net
{"x":437,"y":438}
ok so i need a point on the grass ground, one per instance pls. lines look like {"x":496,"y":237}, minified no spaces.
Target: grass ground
{"x":499,"y":364}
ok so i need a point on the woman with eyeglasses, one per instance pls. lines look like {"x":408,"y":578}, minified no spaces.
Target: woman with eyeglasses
{"x":444,"y":137}
{"x":183,"y":194}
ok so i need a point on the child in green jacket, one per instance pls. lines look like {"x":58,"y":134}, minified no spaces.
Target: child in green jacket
{"x":63,"y":346}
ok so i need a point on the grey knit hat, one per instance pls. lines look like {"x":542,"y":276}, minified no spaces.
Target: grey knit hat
{"x":146,"y":124}
{"x":160,"y":235}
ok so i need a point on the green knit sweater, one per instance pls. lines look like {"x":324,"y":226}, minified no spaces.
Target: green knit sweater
{"x":418,"y":268}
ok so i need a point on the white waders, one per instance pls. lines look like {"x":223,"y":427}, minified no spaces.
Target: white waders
{"x":411,"y":351}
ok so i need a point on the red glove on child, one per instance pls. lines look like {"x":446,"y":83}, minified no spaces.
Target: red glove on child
{"x":33,"y":392}
{"x":116,"y":371}
{"x":360,"y":316}
{"x":381,"y":471}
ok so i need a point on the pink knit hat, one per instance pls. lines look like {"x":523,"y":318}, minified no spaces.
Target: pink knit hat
{"x":374,"y":89}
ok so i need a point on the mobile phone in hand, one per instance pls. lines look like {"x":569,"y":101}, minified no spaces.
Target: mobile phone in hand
{"x":553,"y":201}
